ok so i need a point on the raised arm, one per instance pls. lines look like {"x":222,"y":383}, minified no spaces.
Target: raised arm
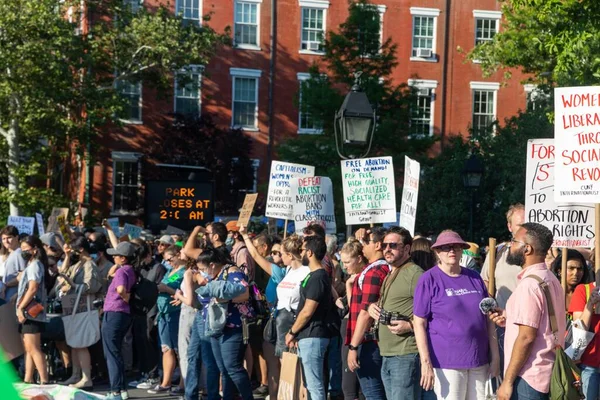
{"x":190,"y":248}
{"x":112,"y":236}
{"x":260,"y":260}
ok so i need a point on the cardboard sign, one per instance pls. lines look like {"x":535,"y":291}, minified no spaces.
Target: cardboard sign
{"x":410,"y":194}
{"x":279,"y":201}
{"x":63,"y":228}
{"x":369,"y":190}
{"x":133,"y":231}
{"x":572,"y":224}
{"x":247,"y":207}
{"x":23,"y":224}
{"x":56,"y":212}
{"x":577,"y":141}
{"x":114,"y":224}
{"x":313,"y":203}
{"x":40,"y":223}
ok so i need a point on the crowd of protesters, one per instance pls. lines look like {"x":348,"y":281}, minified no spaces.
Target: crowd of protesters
{"x":381,"y":316}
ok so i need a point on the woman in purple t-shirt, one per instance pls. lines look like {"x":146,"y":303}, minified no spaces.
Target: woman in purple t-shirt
{"x":453,"y":336}
{"x":117,"y":317}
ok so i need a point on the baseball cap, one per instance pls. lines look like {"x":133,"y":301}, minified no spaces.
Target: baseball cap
{"x":232,"y":226}
{"x":166,"y":239}
{"x":49,"y":239}
{"x":125,"y":249}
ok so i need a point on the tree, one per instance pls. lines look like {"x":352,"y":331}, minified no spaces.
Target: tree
{"x":357,"y":46}
{"x":59,"y":85}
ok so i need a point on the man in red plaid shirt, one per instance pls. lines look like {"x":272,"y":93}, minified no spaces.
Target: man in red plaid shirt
{"x":359,"y":335}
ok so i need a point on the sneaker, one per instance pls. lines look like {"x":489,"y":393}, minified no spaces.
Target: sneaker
{"x":159,"y":389}
{"x":124,"y":395}
{"x":113,"y":396}
{"x":262,"y":390}
{"x":176,"y":391}
{"x":147,"y":384}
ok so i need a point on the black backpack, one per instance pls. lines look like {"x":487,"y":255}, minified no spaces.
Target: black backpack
{"x":144,"y":295}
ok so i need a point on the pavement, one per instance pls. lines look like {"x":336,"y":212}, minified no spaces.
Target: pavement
{"x":142,"y":393}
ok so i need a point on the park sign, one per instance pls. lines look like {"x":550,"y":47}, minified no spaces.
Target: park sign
{"x":577,"y":141}
{"x":185,"y":204}
{"x":279,"y":200}
{"x":571,"y":224}
{"x":313,"y":203}
{"x":410,"y":194}
{"x":369,"y":190}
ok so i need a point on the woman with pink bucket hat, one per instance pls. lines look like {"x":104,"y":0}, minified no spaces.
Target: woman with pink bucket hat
{"x":454,"y":338}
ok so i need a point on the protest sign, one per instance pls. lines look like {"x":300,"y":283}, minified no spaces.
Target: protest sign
{"x":172,"y":230}
{"x":577,"y":135}
{"x":410,"y":194}
{"x":369,"y":190}
{"x":279,"y":201}
{"x":63,"y":228}
{"x":23,"y":224}
{"x":571,"y":224}
{"x":313,"y":203}
{"x":114,"y":225}
{"x":56,"y":212}
{"x":40,"y":223}
{"x":133,"y":231}
{"x":246,"y":211}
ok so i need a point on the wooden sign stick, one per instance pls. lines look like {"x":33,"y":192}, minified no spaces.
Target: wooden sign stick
{"x":492,"y":269}
{"x":563,"y":270}
{"x":285,"y":229}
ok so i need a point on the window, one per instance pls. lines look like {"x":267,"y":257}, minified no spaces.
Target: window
{"x":245,"y":98}
{"x":484,"y":105}
{"x":307,"y":123}
{"x":421,"y":121}
{"x":132,"y":95}
{"x":133,"y":5}
{"x":247,"y":18}
{"x":187,"y":93}
{"x":189,"y":9}
{"x":424,"y":32}
{"x":535,"y":97}
{"x":487,"y":24}
{"x":126,"y":182}
{"x":314,"y":14}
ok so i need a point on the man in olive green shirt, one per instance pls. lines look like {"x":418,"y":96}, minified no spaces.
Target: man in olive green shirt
{"x":401,"y":368}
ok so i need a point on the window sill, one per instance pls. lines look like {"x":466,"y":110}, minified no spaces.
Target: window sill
{"x":421,"y":59}
{"x":131,"y":122}
{"x":310,"y":131}
{"x":247,"y":47}
{"x":476,"y":61}
{"x":312,"y":53}
{"x":246,"y":129}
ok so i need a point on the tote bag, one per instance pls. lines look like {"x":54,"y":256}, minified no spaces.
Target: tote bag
{"x":82,"y":329}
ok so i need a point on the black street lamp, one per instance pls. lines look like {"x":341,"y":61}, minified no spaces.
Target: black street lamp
{"x":355,"y":121}
{"x":471,"y":174}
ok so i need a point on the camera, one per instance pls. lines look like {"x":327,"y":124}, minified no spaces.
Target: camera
{"x":98,"y":304}
{"x":386,"y":317}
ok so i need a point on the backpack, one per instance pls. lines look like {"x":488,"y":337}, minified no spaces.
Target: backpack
{"x":256,"y":297}
{"x":144,"y":295}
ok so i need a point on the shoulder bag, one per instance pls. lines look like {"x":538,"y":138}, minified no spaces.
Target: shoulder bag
{"x":82,"y":329}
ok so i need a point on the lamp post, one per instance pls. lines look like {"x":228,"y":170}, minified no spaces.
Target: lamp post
{"x":471,"y":174}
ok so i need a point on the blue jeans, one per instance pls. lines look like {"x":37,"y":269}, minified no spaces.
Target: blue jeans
{"x":200,"y":352}
{"x":114,"y":328}
{"x":312,"y":354}
{"x":229,"y":350}
{"x":369,"y":373}
{"x":522,"y":391}
{"x":334,"y":363}
{"x":401,"y":377}
{"x":590,"y":380}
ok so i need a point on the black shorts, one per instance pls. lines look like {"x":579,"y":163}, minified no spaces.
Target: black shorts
{"x":30,"y":326}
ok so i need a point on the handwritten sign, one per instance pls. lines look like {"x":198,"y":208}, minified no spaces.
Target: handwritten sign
{"x":410,"y":194}
{"x":133,"y":231}
{"x":114,"y":224}
{"x":571,"y":224}
{"x":23,"y":224}
{"x":61,"y":221}
{"x":369,"y":190}
{"x":279,"y":201}
{"x":247,"y":207}
{"x":313,"y":203}
{"x":40,"y":223}
{"x":577,"y":135}
{"x":56,"y":212}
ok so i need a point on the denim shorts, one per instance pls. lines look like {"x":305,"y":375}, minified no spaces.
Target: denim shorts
{"x":168,"y":330}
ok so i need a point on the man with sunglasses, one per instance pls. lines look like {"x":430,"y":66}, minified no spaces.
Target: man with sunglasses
{"x":363,"y":356}
{"x":400,"y":366}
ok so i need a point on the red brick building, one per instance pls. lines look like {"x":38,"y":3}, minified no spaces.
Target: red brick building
{"x":241,"y":83}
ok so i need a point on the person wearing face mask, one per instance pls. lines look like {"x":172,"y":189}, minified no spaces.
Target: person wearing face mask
{"x":103,"y":263}
{"x":14,"y":262}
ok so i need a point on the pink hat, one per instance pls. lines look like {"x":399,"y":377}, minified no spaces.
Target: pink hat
{"x":449,"y":238}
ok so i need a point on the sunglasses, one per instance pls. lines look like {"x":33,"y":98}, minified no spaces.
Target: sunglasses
{"x":392,"y":245}
{"x":449,"y":247}
{"x":276,"y":253}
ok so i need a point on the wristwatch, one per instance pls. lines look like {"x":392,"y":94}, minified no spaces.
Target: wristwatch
{"x":292,"y":333}
{"x":352,"y":348}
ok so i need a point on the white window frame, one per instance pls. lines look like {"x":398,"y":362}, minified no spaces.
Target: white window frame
{"x":382,"y":9}
{"x":303,"y":77}
{"x":138,"y":6}
{"x":244,"y":46}
{"x":481,"y":15}
{"x":424,"y":12}
{"x":532,"y":94}
{"x":313,"y":4}
{"x":484,"y":86}
{"x":193,"y":69}
{"x":130,"y":157}
{"x":139,"y":120}
{"x":255,"y":167}
{"x":426,"y":84}
{"x":179,"y":11}
{"x":245,"y":73}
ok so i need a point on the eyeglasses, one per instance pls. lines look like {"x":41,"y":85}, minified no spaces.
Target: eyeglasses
{"x":276,"y":253}
{"x":170,"y":259}
{"x":513,"y":240}
{"x":449,"y":247}
{"x":392,"y":245}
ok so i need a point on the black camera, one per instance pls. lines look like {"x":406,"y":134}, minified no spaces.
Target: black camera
{"x":98,"y":304}
{"x":386,"y":317}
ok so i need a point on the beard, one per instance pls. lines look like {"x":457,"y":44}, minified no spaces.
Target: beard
{"x":305,"y":260}
{"x":516,"y":258}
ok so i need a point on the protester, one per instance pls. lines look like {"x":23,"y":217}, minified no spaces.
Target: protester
{"x":529,"y":342}
{"x":239,"y":252}
{"x":14,"y":262}
{"x":216,"y":233}
{"x":117,"y":317}
{"x":421,"y":253}
{"x":453,"y":337}
{"x":31,"y":294}
{"x":162,"y":244}
{"x":576,"y":267}
{"x":319,"y":231}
